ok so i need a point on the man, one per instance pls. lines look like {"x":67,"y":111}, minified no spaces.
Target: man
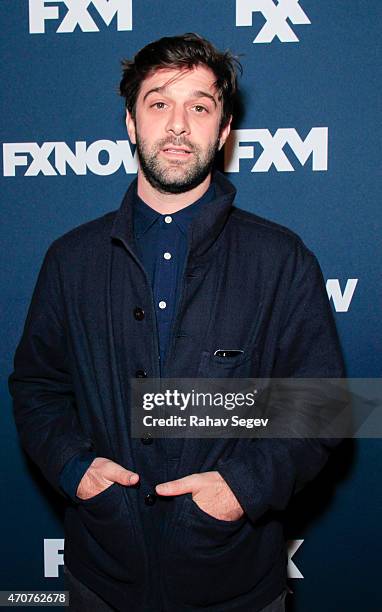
{"x":154,"y":290}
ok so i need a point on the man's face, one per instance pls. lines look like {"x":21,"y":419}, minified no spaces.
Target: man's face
{"x":176,"y":128}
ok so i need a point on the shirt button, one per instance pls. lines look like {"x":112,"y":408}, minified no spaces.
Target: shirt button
{"x":139,"y":314}
{"x":141,"y":374}
{"x":162,"y":304}
{"x":147,"y":440}
{"x":167,"y":255}
{"x":150,"y":499}
{"x":167,"y":219}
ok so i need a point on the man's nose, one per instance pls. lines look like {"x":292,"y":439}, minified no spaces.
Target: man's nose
{"x":178,"y":121}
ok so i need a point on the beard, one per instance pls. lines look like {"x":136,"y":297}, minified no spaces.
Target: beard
{"x":175,"y":176}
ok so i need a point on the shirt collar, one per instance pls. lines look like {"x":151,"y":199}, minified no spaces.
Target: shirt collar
{"x":145,"y":216}
{"x":204,"y":229}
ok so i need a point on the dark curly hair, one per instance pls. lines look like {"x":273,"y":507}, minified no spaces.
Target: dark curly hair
{"x":184,"y":51}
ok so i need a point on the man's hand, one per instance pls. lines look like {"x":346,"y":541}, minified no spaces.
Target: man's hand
{"x":101,"y":474}
{"x":209,"y":491}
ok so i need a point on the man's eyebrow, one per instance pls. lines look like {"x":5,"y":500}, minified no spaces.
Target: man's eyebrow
{"x":203,"y":94}
{"x":198,"y":93}
{"x":155,"y":89}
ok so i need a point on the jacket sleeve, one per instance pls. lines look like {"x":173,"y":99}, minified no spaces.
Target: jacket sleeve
{"x":308,"y":347}
{"x":44,"y":404}
{"x":73,"y":471}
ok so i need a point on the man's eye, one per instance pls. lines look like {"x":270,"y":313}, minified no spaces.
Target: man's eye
{"x":159,"y":105}
{"x":200,"y":109}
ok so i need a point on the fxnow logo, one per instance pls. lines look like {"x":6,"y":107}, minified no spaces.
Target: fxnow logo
{"x":341,"y":299}
{"x":102,"y":157}
{"x":78,"y":14}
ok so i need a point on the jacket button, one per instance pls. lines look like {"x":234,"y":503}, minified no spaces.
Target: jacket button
{"x":150,"y":499}
{"x":139,"y":314}
{"x":141,"y":374}
{"x":147,"y":440}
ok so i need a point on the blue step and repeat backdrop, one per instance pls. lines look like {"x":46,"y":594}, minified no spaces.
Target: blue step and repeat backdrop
{"x":305,"y":153}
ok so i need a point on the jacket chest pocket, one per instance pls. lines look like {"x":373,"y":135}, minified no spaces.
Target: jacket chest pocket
{"x":229,"y":363}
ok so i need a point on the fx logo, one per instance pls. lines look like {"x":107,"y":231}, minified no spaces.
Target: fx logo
{"x":276,"y":15}
{"x":292,"y":569}
{"x":315,"y":145}
{"x":78,"y":14}
{"x":54,"y":558}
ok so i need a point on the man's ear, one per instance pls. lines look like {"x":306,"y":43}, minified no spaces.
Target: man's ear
{"x":225,"y":133}
{"x":130,"y":124}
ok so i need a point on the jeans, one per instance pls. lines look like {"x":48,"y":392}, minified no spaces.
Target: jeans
{"x":277,"y":605}
{"x":83,"y":599}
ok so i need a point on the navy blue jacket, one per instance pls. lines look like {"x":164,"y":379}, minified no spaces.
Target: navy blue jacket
{"x":248,"y":284}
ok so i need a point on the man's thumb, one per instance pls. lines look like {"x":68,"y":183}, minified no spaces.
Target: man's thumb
{"x":117,"y":473}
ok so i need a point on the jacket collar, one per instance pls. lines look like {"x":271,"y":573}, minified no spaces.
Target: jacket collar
{"x":203,"y":229}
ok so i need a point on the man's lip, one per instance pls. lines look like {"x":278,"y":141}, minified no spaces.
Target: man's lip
{"x":177,"y":149}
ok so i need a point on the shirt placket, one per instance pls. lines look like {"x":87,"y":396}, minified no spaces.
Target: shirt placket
{"x":166,"y":271}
